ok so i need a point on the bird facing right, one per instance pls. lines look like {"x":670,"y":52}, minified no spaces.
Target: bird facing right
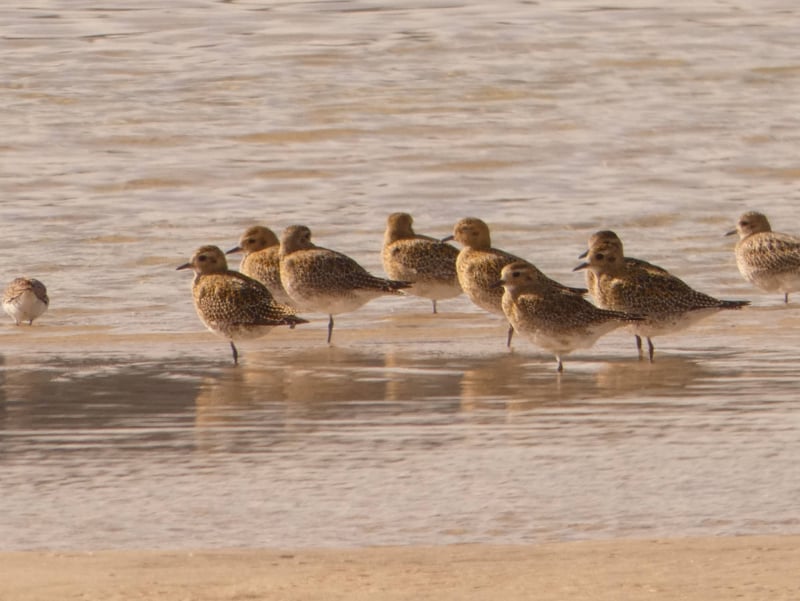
{"x":640,"y":288}
{"x":769,"y":260}
{"x":550,"y":318}
{"x":25,"y":299}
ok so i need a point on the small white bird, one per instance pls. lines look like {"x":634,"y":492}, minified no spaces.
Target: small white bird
{"x":25,"y":299}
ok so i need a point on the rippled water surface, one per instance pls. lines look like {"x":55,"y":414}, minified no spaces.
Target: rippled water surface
{"x":135,"y":132}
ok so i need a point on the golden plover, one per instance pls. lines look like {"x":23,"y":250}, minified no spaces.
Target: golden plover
{"x":427,"y":262}
{"x":232,"y":304}
{"x":261,"y":247}
{"x":767,"y":259}
{"x":640,"y":288}
{"x":25,"y":299}
{"x":479,"y":265}
{"x":325,"y":281}
{"x":607,"y":237}
{"x":550,"y":318}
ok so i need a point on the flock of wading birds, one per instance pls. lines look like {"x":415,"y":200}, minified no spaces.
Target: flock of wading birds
{"x":276,"y":278}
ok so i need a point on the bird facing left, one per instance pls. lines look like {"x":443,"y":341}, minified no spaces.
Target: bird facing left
{"x":231,"y":304}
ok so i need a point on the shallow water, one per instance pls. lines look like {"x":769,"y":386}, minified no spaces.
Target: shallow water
{"x":133,"y":135}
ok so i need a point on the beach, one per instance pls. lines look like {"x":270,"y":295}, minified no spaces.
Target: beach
{"x":416,"y":457}
{"x":748,"y":568}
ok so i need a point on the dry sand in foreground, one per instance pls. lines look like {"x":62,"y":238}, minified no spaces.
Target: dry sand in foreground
{"x":703,"y":569}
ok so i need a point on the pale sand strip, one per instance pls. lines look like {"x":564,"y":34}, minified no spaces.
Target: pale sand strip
{"x":763,"y":568}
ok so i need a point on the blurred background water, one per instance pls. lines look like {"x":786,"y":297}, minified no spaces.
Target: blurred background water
{"x":135,"y":132}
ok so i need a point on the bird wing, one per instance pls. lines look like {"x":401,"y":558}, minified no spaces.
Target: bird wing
{"x":648,"y":292}
{"x":774,"y":252}
{"x":240,"y":300}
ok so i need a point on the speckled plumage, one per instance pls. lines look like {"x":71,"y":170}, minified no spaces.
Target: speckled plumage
{"x":429,"y":264}
{"x":261,"y":260}
{"x":325,"y":281}
{"x":232,"y":304}
{"x":769,"y":260}
{"x":25,"y":299}
{"x":607,"y":237}
{"x":640,"y":288}
{"x":555,"y":321}
{"x":479,"y":265}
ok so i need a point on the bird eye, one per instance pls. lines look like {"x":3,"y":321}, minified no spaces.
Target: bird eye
{"x":251,"y":240}
{"x":201,"y":258}
{"x":599,"y":256}
{"x":515,"y":274}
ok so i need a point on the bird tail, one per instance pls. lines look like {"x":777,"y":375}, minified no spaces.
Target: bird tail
{"x":293,"y":320}
{"x":394,"y":286}
{"x":631,"y":317}
{"x":733,"y":304}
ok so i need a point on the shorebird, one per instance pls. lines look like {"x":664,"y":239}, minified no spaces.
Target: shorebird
{"x":428,"y":263}
{"x":607,"y":237}
{"x":640,"y":288}
{"x":231,"y":304}
{"x":25,"y":299}
{"x":767,"y":259}
{"x":553,"y":319}
{"x":479,"y":265}
{"x":325,"y":281}
{"x":261,"y":247}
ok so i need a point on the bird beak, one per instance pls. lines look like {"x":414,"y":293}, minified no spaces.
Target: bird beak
{"x":497,"y":284}
{"x":184,"y":266}
{"x":583,"y":254}
{"x":235,"y":249}
{"x":581,"y":266}
{"x":730,"y":233}
{"x":448,"y":238}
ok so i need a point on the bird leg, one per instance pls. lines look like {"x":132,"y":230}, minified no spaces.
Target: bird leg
{"x":235,"y":354}
{"x":330,"y":328}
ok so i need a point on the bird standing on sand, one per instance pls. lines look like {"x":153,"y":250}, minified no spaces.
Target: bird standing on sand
{"x":640,"y":288}
{"x":556,"y":320}
{"x":25,"y":299}
{"x":479,"y":265}
{"x":325,"y":281}
{"x":769,"y":260}
{"x":261,"y":247}
{"x":428,"y":263}
{"x":232,"y":304}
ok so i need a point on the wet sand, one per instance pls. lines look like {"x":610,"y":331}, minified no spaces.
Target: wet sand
{"x":395,"y":436}
{"x":706,"y":569}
